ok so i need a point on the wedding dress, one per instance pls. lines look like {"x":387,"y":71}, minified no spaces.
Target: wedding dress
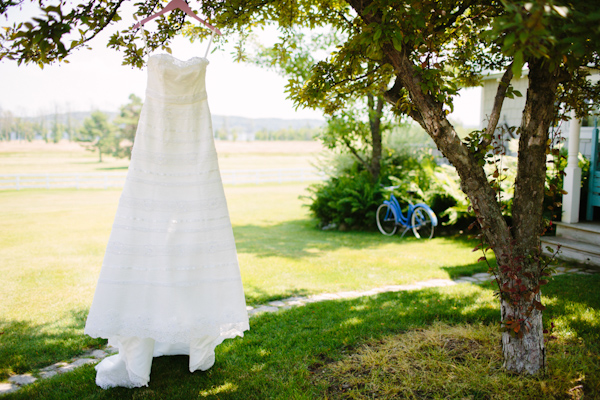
{"x":170,"y":282}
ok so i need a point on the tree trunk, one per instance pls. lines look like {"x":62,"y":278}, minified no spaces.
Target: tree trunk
{"x":375,"y":114}
{"x":528,"y":353}
{"x":99,"y":155}
{"x":517,"y":249}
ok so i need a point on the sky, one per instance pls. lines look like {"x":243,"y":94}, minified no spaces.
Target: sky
{"x":96,"y":80}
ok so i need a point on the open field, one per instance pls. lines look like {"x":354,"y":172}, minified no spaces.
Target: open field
{"x":40,"y":157}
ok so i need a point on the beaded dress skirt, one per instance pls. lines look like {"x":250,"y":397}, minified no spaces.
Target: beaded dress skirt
{"x":170,"y":281}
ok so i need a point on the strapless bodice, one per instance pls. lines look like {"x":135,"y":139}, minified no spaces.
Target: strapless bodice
{"x":176,"y":80}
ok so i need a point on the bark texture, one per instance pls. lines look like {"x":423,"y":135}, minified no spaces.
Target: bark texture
{"x":528,"y":354}
{"x":375,"y":115}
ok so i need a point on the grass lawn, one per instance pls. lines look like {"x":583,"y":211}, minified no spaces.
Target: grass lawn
{"x":433,"y":343}
{"x":52,"y":244}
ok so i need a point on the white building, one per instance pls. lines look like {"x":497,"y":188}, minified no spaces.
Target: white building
{"x":579,"y":241}
{"x":512,"y":110}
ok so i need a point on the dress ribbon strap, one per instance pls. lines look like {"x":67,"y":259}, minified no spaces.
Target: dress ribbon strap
{"x":209,"y":43}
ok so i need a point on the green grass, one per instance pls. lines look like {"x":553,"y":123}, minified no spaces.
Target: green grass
{"x":51,"y":249}
{"x":301,"y":353}
{"x":52,"y":244}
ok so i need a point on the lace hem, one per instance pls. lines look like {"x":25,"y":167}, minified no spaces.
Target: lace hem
{"x":173,"y":220}
{"x":172,"y":229}
{"x":167,"y":139}
{"x":113,"y":372}
{"x":186,"y":283}
{"x":176,"y":159}
{"x":222,"y":331}
{"x":164,"y":58}
{"x":187,"y":268}
{"x":172,"y":205}
{"x":167,"y":250}
{"x":174,"y":174}
{"x":176,"y":99}
{"x":172,"y":184}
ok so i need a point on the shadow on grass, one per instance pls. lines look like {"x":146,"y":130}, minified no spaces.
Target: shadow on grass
{"x":279,"y":357}
{"x":276,"y":357}
{"x":256,"y":295}
{"x":457,"y":271}
{"x":25,"y":347}
{"x":574,"y":296}
{"x":299,"y":238}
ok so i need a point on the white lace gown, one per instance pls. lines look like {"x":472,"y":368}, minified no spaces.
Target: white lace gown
{"x":170,"y":281}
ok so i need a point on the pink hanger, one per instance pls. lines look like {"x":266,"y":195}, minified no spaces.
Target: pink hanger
{"x":182,"y":5}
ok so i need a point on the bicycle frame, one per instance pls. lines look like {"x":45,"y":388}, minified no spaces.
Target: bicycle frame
{"x":399,"y":217}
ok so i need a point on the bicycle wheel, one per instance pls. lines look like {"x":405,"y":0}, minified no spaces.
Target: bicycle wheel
{"x":422,"y":223}
{"x":386,"y":220}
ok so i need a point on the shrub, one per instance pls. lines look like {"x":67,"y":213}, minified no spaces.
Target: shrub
{"x":349,"y":198}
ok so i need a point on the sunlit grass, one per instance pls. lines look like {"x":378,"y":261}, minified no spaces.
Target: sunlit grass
{"x":52,"y":244}
{"x":51,"y":249}
{"x":432,"y":343}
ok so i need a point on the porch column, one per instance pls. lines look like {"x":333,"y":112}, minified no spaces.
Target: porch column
{"x":572,"y":180}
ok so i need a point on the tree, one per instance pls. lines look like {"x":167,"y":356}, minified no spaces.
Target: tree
{"x":58,"y":128}
{"x":24,"y":129}
{"x":97,"y":133}
{"x":427,"y":49}
{"x":70,"y":128}
{"x":363,"y":139}
{"x":7,"y":122}
{"x":127,"y":123}
{"x":355,"y":125}
{"x":41,"y":127}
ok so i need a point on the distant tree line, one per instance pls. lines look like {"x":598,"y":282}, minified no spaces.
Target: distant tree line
{"x":288,"y":134}
{"x":98,"y":133}
{"x":51,"y":129}
{"x":238,"y":133}
{"x":95,"y":133}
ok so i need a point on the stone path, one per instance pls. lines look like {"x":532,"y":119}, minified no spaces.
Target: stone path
{"x":92,"y":357}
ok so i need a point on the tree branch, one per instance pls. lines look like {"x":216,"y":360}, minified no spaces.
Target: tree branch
{"x":392,"y":96}
{"x":497,"y":108}
{"x":108,"y":21}
{"x":355,"y":153}
{"x":454,"y":16}
{"x":354,"y":79}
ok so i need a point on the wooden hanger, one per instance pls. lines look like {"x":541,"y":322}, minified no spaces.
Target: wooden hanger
{"x":182,"y":5}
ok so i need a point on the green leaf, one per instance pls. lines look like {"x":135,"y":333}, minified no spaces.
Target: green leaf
{"x":509,"y":40}
{"x":518,"y":63}
{"x":377,"y":34}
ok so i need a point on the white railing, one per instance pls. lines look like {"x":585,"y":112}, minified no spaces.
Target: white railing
{"x":105,"y":180}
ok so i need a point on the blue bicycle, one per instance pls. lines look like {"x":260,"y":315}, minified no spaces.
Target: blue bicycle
{"x":420,"y":218}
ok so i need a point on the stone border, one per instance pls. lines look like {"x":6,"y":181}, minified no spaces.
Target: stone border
{"x":94,"y":356}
